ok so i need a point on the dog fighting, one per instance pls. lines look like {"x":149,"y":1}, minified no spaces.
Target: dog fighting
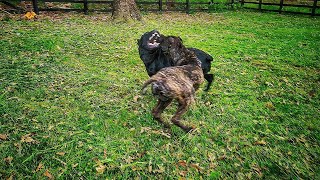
{"x":176,"y":73}
{"x":154,"y":58}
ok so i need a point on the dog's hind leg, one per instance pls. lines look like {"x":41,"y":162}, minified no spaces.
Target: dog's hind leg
{"x":156,"y":112}
{"x":182,"y":108}
{"x":209,"y":78}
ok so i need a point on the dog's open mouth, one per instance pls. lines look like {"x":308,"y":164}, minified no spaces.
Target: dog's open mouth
{"x":152,"y":42}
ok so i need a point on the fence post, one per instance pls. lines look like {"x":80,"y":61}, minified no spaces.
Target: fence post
{"x":35,"y":6}
{"x":160,"y":5}
{"x":313,"y":12}
{"x":242,"y":3}
{"x":260,"y":5}
{"x":188,"y":6}
{"x":85,"y":7}
{"x":281,"y":6}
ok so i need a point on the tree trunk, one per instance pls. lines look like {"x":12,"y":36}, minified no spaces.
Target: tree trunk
{"x":125,"y":10}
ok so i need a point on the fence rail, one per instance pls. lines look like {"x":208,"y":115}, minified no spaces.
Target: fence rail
{"x":281,"y":5}
{"x":187,"y":6}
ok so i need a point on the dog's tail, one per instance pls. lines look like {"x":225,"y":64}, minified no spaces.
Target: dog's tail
{"x":144,"y":86}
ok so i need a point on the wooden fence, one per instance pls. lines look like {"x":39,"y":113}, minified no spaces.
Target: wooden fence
{"x":187,"y":6}
{"x":312,"y":8}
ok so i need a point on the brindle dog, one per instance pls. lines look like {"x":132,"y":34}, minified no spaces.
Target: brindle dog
{"x":178,"y":82}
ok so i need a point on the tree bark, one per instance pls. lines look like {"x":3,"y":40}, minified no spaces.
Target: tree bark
{"x":125,"y":10}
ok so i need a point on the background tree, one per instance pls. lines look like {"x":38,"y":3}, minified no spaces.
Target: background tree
{"x":125,"y":10}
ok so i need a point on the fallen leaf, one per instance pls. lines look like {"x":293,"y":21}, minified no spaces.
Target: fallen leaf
{"x":30,"y":15}
{"x":48,"y":174}
{"x":183,"y":173}
{"x":40,"y":166}
{"x":145,"y":129}
{"x":10,"y":178}
{"x":257,"y":170}
{"x":17,"y":145}
{"x":160,"y":170}
{"x":129,"y":159}
{"x":28,"y":139}
{"x":8,"y":159}
{"x":196,"y":166}
{"x":66,"y":6}
{"x":140,"y":155}
{"x":270,"y":106}
{"x":3,"y":136}
{"x":262,"y":143}
{"x":211,"y":157}
{"x":61,"y":153}
{"x":150,"y":166}
{"x":136,"y":98}
{"x":182,"y":163}
{"x":101,"y":168}
{"x":222,"y":157}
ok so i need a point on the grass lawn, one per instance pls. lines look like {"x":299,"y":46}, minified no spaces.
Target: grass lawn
{"x":70,"y":103}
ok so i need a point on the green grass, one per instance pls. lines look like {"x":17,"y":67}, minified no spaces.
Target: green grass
{"x":69,"y":82}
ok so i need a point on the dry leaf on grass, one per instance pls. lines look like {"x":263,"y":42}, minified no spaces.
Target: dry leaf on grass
{"x":28,"y":139}
{"x":10,"y":178}
{"x":160,"y":170}
{"x":30,"y":15}
{"x":8,"y":159}
{"x":100,"y":168}
{"x":3,"y":136}
{"x":61,"y":153}
{"x":197,"y":167}
{"x":145,"y":129}
{"x":270,"y":105}
{"x":183,"y":173}
{"x":182,"y":163}
{"x":48,"y":174}
{"x":150,"y":166}
{"x":136,"y":98}
{"x":223,"y":157}
{"x":262,"y":143}
{"x":39,"y":167}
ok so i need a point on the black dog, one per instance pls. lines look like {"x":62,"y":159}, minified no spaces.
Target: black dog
{"x":154,"y":59}
{"x":178,"y":82}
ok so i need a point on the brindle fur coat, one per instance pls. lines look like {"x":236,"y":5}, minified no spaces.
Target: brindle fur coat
{"x":179,"y":82}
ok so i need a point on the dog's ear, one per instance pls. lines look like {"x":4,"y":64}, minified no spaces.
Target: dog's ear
{"x":160,"y":39}
{"x":179,"y":42}
{"x":171,"y":40}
